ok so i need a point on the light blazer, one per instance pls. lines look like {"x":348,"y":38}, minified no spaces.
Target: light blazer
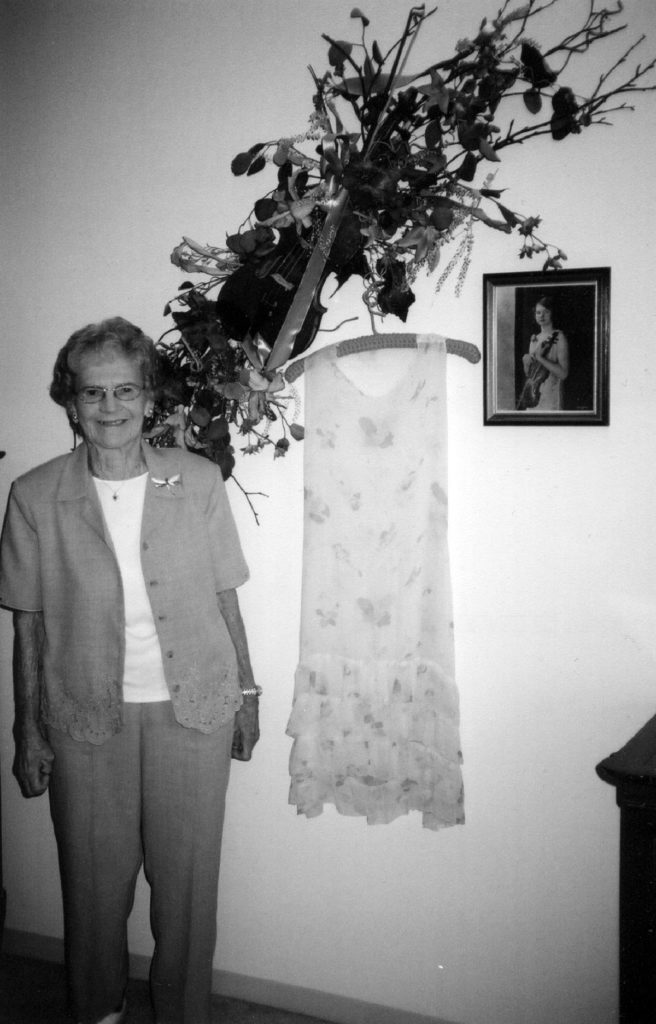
{"x":56,"y":556}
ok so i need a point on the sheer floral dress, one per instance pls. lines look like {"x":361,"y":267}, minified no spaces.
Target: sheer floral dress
{"x":375,"y":713}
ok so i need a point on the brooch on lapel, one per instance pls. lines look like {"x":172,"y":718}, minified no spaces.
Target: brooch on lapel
{"x":169,"y":482}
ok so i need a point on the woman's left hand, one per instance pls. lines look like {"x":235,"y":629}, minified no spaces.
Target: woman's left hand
{"x":247,"y":729}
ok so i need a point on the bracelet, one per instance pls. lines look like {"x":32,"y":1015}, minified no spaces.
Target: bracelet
{"x":252,"y":691}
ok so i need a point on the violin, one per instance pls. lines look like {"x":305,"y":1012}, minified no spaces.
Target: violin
{"x":255,"y":300}
{"x":530,"y":394}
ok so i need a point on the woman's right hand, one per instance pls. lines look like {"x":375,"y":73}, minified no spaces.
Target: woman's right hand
{"x":33,"y":761}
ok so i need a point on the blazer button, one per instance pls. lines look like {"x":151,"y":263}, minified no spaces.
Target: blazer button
{"x":169,"y":654}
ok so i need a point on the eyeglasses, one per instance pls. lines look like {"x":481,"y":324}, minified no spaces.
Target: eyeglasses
{"x":94,"y":393}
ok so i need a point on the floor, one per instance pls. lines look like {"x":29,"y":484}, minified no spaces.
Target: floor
{"x":33,"y":992}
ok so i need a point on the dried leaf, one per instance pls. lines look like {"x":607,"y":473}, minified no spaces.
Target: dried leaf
{"x":433,"y":258}
{"x":233,"y":390}
{"x":200,"y":416}
{"x":470,"y":134}
{"x":533,"y":101}
{"x":357,"y":13}
{"x":442,"y":217}
{"x":265,"y":208}
{"x":257,"y":165}
{"x":241,"y":163}
{"x":500,"y":225}
{"x":536,"y":69}
{"x":488,"y":151}
{"x":241,"y":244}
{"x":281,"y":156}
{"x":338,"y":52}
{"x":565,"y":109}
{"x":281,"y":448}
{"x":467,"y":169}
{"x":218,"y":428}
{"x":508,"y":215}
{"x":433,"y":135}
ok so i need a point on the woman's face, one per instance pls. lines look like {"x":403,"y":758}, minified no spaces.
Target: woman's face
{"x":542,"y":315}
{"x":110,"y":423}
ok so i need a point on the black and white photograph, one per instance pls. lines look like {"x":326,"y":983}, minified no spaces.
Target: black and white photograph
{"x":321,"y":700}
{"x":547,"y":347}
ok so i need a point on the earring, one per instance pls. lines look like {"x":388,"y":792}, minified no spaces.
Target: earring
{"x":74,"y":417}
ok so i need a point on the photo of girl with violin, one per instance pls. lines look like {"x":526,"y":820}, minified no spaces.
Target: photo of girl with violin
{"x":546,"y":364}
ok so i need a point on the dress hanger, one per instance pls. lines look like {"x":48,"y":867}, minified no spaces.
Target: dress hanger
{"x":368,"y":342}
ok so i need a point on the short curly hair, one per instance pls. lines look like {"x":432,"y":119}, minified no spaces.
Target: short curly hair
{"x":114,"y":334}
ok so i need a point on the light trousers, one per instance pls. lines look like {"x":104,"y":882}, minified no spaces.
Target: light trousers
{"x":152,"y":794}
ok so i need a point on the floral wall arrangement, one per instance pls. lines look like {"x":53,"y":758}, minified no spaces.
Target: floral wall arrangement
{"x":389,"y":179}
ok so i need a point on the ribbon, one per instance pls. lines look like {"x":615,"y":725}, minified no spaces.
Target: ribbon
{"x":302,"y":300}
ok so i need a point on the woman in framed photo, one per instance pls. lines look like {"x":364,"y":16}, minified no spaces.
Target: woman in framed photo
{"x":546,"y":364}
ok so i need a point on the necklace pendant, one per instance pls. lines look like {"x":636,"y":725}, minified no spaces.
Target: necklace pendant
{"x":115,"y":496}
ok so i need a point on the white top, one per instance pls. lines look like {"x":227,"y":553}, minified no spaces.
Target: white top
{"x":122,"y":503}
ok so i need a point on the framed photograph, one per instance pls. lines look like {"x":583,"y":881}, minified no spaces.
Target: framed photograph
{"x":546,"y":348}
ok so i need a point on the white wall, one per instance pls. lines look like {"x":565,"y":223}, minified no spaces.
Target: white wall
{"x":120,"y":120}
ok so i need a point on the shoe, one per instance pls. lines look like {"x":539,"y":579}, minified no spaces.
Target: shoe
{"x":116,"y":1017}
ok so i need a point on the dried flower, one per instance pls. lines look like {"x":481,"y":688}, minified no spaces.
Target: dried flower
{"x":393,"y":195}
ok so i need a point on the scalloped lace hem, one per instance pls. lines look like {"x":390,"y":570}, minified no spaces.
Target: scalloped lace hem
{"x":376,"y":740}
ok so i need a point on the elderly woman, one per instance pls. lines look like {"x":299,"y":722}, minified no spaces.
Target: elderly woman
{"x":133,"y":679}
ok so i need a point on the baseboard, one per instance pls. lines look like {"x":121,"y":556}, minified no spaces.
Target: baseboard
{"x":3,"y":911}
{"x":36,"y":947}
{"x":292,"y":998}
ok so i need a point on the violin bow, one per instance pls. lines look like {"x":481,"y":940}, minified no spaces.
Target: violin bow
{"x":302,"y":301}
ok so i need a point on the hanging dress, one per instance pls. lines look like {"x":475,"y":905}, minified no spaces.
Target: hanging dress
{"x":375,"y":713}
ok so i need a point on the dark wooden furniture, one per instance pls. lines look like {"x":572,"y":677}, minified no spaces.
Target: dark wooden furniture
{"x":632,"y":770}
{"x":3,"y":894}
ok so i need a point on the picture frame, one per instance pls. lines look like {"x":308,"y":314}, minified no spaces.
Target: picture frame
{"x":570,"y":331}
